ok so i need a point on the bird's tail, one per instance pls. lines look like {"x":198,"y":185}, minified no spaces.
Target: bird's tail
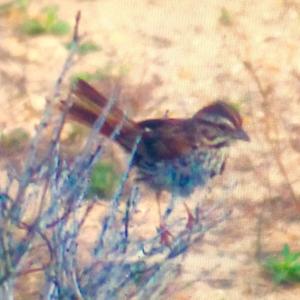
{"x":89,"y":104}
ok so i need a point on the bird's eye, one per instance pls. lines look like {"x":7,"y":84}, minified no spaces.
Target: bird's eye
{"x":223,"y":127}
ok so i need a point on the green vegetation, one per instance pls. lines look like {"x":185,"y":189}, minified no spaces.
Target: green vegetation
{"x":104,"y":179}
{"x":14,"y":140}
{"x":285,"y":267}
{"x":225,"y":18}
{"x":85,"y":48}
{"x":47,"y":22}
{"x":237,"y":105}
{"x":107,"y":72}
{"x":99,"y":74}
{"x":7,"y":7}
{"x":88,"y":76}
{"x":76,"y":134}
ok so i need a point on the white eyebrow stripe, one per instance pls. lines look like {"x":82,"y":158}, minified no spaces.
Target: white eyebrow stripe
{"x":227,"y":122}
{"x":222,"y":120}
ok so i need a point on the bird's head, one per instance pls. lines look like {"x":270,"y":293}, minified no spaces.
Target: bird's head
{"x":219,"y":124}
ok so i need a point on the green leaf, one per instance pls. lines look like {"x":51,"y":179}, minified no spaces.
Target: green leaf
{"x":85,"y":48}
{"x":104,"y":179}
{"x":285,"y":250}
{"x":32,"y":27}
{"x":82,"y":75}
{"x":46,"y":22}
{"x":99,"y":74}
{"x":285,"y":267}
{"x":88,"y":47}
{"x":50,"y":15}
{"x":225,"y":17}
{"x":59,"y":28}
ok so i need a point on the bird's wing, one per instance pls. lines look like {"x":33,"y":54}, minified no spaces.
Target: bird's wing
{"x":166,"y":138}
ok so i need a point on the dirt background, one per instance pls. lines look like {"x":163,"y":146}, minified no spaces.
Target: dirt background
{"x":177,"y":56}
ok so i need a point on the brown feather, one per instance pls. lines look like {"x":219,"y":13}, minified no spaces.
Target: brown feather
{"x":220,"y":108}
{"x":177,"y":155}
{"x":166,"y":138}
{"x":161,"y":139}
{"x":89,"y":104}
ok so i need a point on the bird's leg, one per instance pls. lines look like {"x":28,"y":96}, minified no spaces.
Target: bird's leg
{"x":191,"y":219}
{"x":165,"y":234}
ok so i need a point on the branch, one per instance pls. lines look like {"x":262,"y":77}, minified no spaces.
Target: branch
{"x":265,"y":94}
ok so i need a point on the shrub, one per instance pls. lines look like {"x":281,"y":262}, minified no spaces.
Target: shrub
{"x":47,"y":22}
{"x":285,"y":267}
{"x":43,"y":210}
{"x":14,"y":140}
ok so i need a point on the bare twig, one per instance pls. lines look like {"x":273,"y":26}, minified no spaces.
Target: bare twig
{"x":70,"y":59}
{"x":46,"y":117}
{"x":274,"y":143}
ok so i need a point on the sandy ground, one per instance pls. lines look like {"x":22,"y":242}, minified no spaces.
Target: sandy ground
{"x":178,"y":56}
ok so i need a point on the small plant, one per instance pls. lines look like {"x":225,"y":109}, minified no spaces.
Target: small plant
{"x":225,"y":18}
{"x":85,"y":48}
{"x":99,"y":74}
{"x":285,"y":267}
{"x":104,"y":179}
{"x":46,"y":23}
{"x":14,"y":140}
{"x":87,"y":76}
{"x":10,"y":6}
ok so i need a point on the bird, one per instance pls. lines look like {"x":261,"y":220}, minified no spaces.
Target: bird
{"x":176,"y":155}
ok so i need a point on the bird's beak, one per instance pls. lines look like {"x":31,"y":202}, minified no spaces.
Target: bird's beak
{"x":241,"y":135}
